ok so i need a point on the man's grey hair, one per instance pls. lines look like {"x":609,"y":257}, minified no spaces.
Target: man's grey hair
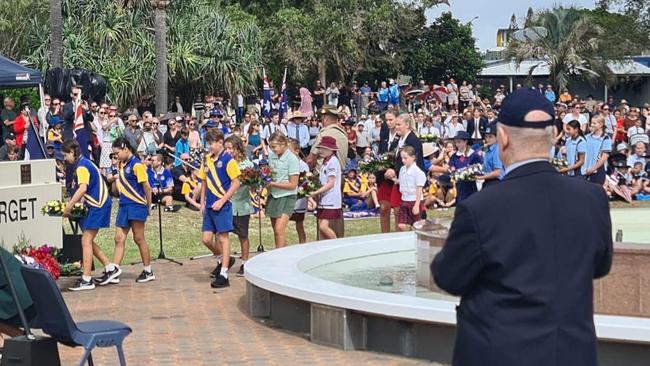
{"x":531,"y":139}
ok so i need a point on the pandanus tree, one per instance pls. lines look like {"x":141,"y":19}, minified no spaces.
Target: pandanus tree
{"x":197,"y":43}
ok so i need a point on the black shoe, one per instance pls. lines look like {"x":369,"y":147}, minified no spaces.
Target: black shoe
{"x":220,"y":282}
{"x":169,"y":208}
{"x":109,"y":277}
{"x":82,"y":285}
{"x":145,"y":277}
{"x":217,"y":269}
{"x":240,"y":273}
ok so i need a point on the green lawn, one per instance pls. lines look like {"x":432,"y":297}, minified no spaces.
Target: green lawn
{"x":182,"y":232}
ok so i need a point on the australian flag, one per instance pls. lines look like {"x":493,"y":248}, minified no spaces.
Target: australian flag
{"x":284,"y":105}
{"x":266,"y":100}
{"x":79,"y":131}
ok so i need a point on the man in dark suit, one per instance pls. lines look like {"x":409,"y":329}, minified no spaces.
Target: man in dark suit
{"x":522,"y":254}
{"x":69,"y":113}
{"x":476,"y":127}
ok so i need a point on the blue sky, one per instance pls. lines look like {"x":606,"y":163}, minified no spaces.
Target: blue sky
{"x":494,"y":14}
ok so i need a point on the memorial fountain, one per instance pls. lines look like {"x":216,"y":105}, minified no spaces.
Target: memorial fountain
{"x":376,"y":293}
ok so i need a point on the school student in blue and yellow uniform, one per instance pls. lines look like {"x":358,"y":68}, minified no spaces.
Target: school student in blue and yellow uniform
{"x":353,"y":191}
{"x":493,"y":169}
{"x":135,"y":201}
{"x":92,"y":189}
{"x":161,"y":182}
{"x":219,"y":176}
{"x":189,"y":190}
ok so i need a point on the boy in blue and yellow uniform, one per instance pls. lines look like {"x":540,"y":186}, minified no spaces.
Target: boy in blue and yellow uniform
{"x":90,"y":187}
{"x":493,"y":169}
{"x":135,"y":201}
{"x":161,"y":182}
{"x":219,"y":175}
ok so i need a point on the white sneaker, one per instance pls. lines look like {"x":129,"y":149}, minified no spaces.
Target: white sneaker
{"x":82,"y":285}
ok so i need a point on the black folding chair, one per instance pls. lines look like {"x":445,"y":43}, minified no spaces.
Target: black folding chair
{"x":56,"y":321}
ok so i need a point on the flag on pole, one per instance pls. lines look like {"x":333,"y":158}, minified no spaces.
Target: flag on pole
{"x":266,"y":102}
{"x":284,"y":106}
{"x":33,"y":145}
{"x":79,"y":131}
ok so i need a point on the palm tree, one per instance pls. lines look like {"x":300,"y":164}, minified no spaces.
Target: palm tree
{"x":566,"y":41}
{"x":160,"y":31}
{"x":56,"y":33}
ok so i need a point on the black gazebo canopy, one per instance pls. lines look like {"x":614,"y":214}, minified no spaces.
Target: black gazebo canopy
{"x":15,"y":75}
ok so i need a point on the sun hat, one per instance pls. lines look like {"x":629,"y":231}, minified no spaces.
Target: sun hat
{"x":295,"y":115}
{"x":639,"y":137}
{"x":329,"y":109}
{"x":328,"y":142}
{"x":429,"y":148}
{"x":621,"y":147}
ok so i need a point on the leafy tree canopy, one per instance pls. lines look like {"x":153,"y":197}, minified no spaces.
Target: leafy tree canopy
{"x":638,"y":10}
{"x":446,"y":49}
{"x":624,"y":34}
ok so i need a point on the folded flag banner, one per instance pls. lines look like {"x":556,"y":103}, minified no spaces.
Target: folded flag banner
{"x":33,"y":145}
{"x":266,"y":98}
{"x":284,"y":105}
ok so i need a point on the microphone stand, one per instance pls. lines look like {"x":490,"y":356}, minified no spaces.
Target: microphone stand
{"x":161,"y":254}
{"x":260,"y":246}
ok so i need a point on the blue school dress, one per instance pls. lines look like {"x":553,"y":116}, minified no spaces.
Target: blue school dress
{"x":97,"y":197}
{"x":457,"y":161}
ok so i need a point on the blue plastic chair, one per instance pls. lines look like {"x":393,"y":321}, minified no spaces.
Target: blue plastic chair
{"x":55,"y":319}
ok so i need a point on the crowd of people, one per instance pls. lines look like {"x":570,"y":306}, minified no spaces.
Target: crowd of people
{"x":195,"y":156}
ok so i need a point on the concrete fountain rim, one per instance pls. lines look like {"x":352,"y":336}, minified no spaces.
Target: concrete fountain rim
{"x":282,"y":271}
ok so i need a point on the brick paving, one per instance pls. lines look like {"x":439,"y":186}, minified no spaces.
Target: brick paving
{"x":179,"y":320}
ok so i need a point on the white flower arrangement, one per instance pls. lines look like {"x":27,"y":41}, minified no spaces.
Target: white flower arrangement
{"x":469,"y":173}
